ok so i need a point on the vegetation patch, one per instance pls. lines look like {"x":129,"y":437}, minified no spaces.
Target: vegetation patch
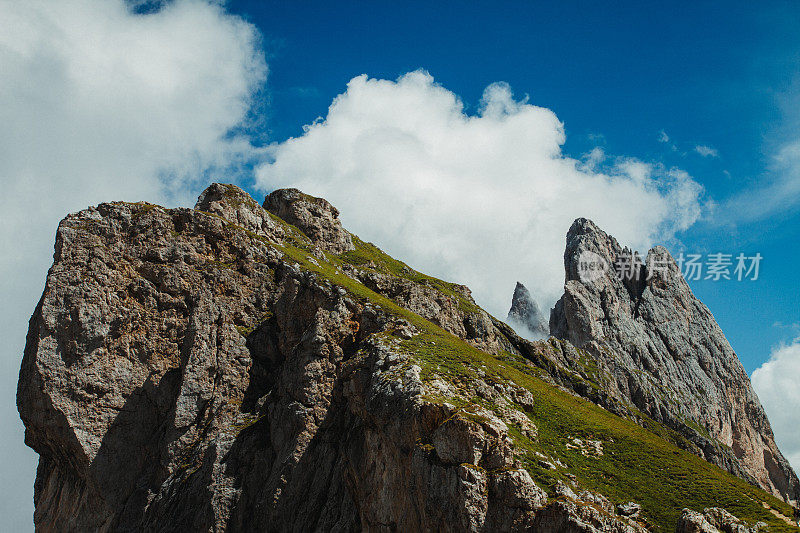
{"x":368,"y":256}
{"x":641,"y":464}
{"x":244,"y":331}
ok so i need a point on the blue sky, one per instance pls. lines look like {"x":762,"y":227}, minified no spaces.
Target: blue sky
{"x":615,"y":75}
{"x":431,"y":156}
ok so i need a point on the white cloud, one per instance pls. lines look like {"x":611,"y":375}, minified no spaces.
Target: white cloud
{"x":98,"y":104}
{"x":484,"y":200}
{"x":594,"y":158}
{"x":776,"y":191}
{"x":663,"y":137}
{"x":780,"y":193}
{"x":706,"y":151}
{"x":776,"y":383}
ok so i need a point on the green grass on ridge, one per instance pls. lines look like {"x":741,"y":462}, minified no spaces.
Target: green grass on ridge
{"x":636,"y":465}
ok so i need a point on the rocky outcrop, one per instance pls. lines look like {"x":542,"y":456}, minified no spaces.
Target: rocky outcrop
{"x":714,"y":520}
{"x":642,"y":325}
{"x":584,"y":514}
{"x":315,"y":217}
{"x":234,"y":205}
{"x":454,"y":311}
{"x":525,"y":316}
{"x":183,"y":373}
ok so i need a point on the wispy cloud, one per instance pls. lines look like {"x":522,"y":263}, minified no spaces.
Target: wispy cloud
{"x":780,"y":193}
{"x":663,"y":138}
{"x":596,"y":138}
{"x":706,"y":151}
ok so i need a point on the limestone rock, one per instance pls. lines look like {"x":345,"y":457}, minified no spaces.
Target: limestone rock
{"x":187,"y":370}
{"x":714,"y":520}
{"x":233,"y":204}
{"x":182,"y":373}
{"x":583,"y":515}
{"x":315,"y":217}
{"x":562,"y":489}
{"x":445,"y":310}
{"x":525,"y":315}
{"x":629,"y":509}
{"x":666,"y":354}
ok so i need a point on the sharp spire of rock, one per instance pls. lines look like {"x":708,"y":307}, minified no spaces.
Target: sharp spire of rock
{"x":525,"y":315}
{"x":667,"y":353}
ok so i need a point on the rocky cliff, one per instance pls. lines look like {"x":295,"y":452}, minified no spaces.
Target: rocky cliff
{"x":231,"y":367}
{"x":666,"y":354}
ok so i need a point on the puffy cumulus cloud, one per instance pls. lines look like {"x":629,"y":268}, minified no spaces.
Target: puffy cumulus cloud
{"x":100,"y":103}
{"x":775,"y":382}
{"x":482,"y":199}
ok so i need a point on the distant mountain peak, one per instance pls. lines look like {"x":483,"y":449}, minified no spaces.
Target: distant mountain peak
{"x":525,"y":315}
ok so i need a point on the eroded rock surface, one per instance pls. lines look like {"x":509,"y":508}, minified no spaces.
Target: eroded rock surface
{"x":714,"y":520}
{"x":667,"y":355}
{"x":182,"y":374}
{"x":222,"y":368}
{"x":315,"y":217}
{"x":455,"y":312}
{"x":584,"y":514}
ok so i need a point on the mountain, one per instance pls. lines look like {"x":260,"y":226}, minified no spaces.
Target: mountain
{"x":525,"y":315}
{"x":239,"y":367}
{"x":661,"y":350}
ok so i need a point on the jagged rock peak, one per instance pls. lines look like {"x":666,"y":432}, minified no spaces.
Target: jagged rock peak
{"x":315,"y":217}
{"x":666,"y":353}
{"x":585,"y":236}
{"x":590,"y":248}
{"x":525,"y":313}
{"x":234,"y":204}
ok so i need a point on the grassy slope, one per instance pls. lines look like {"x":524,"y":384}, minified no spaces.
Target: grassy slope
{"x":637,"y":464}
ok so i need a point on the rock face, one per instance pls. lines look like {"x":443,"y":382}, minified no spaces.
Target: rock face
{"x":181,"y":374}
{"x":455,"y":312}
{"x":666,"y":353}
{"x":232,"y":367}
{"x":235,"y":205}
{"x":586,"y":511}
{"x":525,"y":315}
{"x":315,"y":217}
{"x":714,"y":520}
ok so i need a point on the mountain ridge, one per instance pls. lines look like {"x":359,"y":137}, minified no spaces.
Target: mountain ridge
{"x":257,"y":373}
